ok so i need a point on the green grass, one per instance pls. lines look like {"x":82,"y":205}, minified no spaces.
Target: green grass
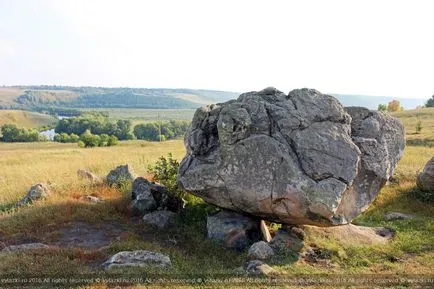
{"x":26,"y":119}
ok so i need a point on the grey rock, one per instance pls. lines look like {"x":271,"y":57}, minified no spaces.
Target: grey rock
{"x":232,"y":229}
{"x":24,"y":247}
{"x":257,"y":267}
{"x":148,"y":196}
{"x":286,"y":242}
{"x":300,"y":158}
{"x":390,"y":216}
{"x":260,"y":251}
{"x":88,"y":175}
{"x":36,"y":192}
{"x":120,"y":175}
{"x":91,"y":199}
{"x":425,"y":179}
{"x":139,"y":258}
{"x":159,"y":219}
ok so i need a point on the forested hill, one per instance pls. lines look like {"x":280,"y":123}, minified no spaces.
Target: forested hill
{"x":36,"y":97}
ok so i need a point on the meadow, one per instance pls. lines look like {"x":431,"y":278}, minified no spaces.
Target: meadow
{"x":26,"y":119}
{"x":411,"y":251}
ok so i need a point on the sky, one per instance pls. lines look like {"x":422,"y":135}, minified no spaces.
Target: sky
{"x":350,"y":47}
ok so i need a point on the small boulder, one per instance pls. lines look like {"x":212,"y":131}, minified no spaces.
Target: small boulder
{"x":139,"y":258}
{"x":24,"y":247}
{"x":257,"y":267}
{"x":390,"y":216}
{"x":36,"y":192}
{"x":232,"y":229}
{"x":159,"y":219}
{"x":88,"y":175}
{"x":120,"y":175}
{"x":287,"y":241}
{"x":425,"y":179}
{"x":260,"y":251}
{"x":91,"y":199}
{"x":147,"y":197}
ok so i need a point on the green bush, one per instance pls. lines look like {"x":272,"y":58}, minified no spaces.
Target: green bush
{"x":11,"y":133}
{"x":156,"y":131}
{"x":165,"y":172}
{"x":87,"y":139}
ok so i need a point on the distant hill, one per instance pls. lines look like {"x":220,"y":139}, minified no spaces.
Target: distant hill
{"x":26,"y":119}
{"x":372,"y":102}
{"x":37,"y":97}
{"x":47,"y":97}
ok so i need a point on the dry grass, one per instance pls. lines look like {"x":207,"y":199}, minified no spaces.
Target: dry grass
{"x":25,"y":119}
{"x":8,"y":95}
{"x":411,"y":117}
{"x":26,"y":164}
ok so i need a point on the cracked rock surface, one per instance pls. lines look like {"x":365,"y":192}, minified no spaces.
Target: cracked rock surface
{"x":300,"y":158}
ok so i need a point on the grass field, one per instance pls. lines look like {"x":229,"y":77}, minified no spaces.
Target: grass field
{"x":410,"y":252}
{"x":410,"y":119}
{"x":7,"y":95}
{"x":26,"y":119}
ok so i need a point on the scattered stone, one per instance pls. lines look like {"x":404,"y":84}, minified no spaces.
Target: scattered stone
{"x":232,"y":229}
{"x":297,"y":158}
{"x":352,"y":235}
{"x":147,"y":197}
{"x":36,"y":192}
{"x":260,"y":251}
{"x":24,"y":247}
{"x":390,"y":216}
{"x":91,"y":199}
{"x":316,"y":255}
{"x":121,"y":175}
{"x":425,"y":179}
{"x":266,"y":236}
{"x":139,"y":258}
{"x":257,"y":267}
{"x":88,"y":175}
{"x":285,"y":241}
{"x":159,"y":219}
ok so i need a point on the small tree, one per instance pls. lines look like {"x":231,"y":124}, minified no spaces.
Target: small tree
{"x":382,"y":107}
{"x":430,"y":102}
{"x":393,"y":106}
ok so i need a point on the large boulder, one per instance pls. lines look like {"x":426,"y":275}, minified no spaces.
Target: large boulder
{"x":425,"y":179}
{"x":121,"y":175}
{"x":300,"y":158}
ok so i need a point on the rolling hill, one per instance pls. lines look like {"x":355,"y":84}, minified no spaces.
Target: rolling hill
{"x":48,"y":97}
{"x":26,"y":119}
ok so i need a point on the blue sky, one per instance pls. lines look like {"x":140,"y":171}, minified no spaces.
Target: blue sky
{"x":359,"y":47}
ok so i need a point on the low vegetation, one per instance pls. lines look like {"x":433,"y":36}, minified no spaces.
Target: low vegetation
{"x":11,"y":133}
{"x":163,"y":130}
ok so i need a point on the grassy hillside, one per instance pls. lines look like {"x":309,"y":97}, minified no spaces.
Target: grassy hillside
{"x":25,"y":119}
{"x":410,"y":119}
{"x":45,"y":97}
{"x":52,"y":221}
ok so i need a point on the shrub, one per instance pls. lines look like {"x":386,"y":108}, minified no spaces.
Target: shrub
{"x":382,"y":107}
{"x":419,"y":126}
{"x":94,"y":140}
{"x":156,"y":131}
{"x":81,"y":144}
{"x":11,"y":133}
{"x":165,"y":172}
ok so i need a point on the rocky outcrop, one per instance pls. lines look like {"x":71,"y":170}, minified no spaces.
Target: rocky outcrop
{"x":233,"y":230}
{"x":300,"y":158}
{"x":36,"y":192}
{"x":120,"y":175}
{"x":425,"y":179}
{"x":139,"y":258}
{"x":391,"y":216}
